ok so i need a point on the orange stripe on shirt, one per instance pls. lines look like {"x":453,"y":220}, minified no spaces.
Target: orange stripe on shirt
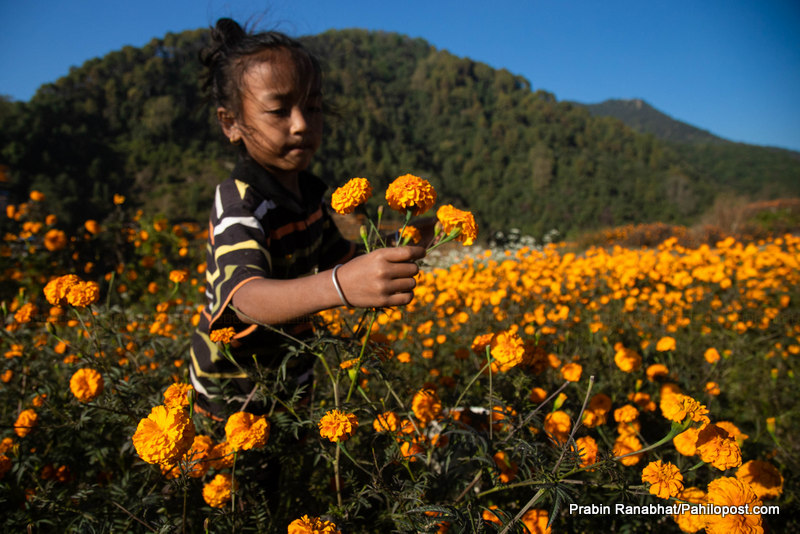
{"x":298,"y":226}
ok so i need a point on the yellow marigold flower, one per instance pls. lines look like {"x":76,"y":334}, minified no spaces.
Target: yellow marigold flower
{"x":508,"y":469}
{"x":656,"y":370}
{"x":665,"y":344}
{"x":626,"y":414}
{"x":507,"y":350}
{"x":217,"y":493}
{"x":312,"y":525}
{"x":351,"y":195}
{"x":587,"y":450}
{"x":178,"y":275}
{"x":86,"y":384}
{"x":164,"y":436}
{"x":558,"y":424}
{"x":536,"y":521}
{"x":410,"y":193}
{"x":717,"y":447}
{"x":25,"y":422}
{"x":711,"y":355}
{"x":83,"y":294}
{"x":686,"y":442}
{"x":665,"y":479}
{"x":119,"y":199}
{"x":627,"y":444}
{"x":222,"y":335}
{"x":337,"y":425}
{"x":426,"y":406}
{"x":627,"y":360}
{"x":385,"y":422}
{"x":678,"y":407}
{"x":177,"y":395}
{"x":410,"y":234}
{"x":453,"y":219}
{"x":55,"y":240}
{"x":728,"y":491}
{"x":763,"y":477}
{"x":246,"y":431}
{"x":56,"y":290}
{"x":571,"y":372}
{"x":37,"y":196}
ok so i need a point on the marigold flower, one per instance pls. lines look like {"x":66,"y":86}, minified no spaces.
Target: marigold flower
{"x":665,"y":479}
{"x":83,"y":294}
{"x":410,"y":234}
{"x":196,"y":459}
{"x":717,"y":447}
{"x":712,"y":388}
{"x":507,"y":350}
{"x":480,"y":343}
{"x":453,"y":219}
{"x":410,"y":193}
{"x":728,"y":491}
{"x":665,"y":344}
{"x":7,"y":375}
{"x":164,"y":436}
{"x":25,"y":313}
{"x":178,"y":275}
{"x":426,"y":406}
{"x":508,"y":469}
{"x":56,"y":290}
{"x":119,"y":199}
{"x":678,"y":407}
{"x":410,"y":448}
{"x":25,"y":422}
{"x":5,"y":465}
{"x":558,"y":424}
{"x":687,"y":521}
{"x":177,"y":395}
{"x":91,"y":226}
{"x":686,"y":442}
{"x":385,"y":422}
{"x":221,"y":456}
{"x":626,"y":444}
{"x":733,"y":430}
{"x":86,"y":384}
{"x":587,"y":450}
{"x":222,"y":335}
{"x":351,"y":195}
{"x":536,"y":521}
{"x":217,"y":493}
{"x":626,"y":414}
{"x":657,"y":370}
{"x":55,"y":240}
{"x":337,"y":425}
{"x":36,"y":196}
{"x":763,"y":477}
{"x":245,"y":431}
{"x":571,"y":372}
{"x":6,"y":445}
{"x":627,"y":360}
{"x":711,"y":355}
{"x":312,"y":525}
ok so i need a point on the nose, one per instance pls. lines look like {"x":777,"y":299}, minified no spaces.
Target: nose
{"x":299,"y":123}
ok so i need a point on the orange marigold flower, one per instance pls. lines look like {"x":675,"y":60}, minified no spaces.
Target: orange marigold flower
{"x":712,"y":388}
{"x":508,"y":469}
{"x":409,"y":449}
{"x":55,"y":240}
{"x":625,"y":445}
{"x":426,"y":406}
{"x":119,"y":199}
{"x":717,"y":447}
{"x":164,"y":436}
{"x":385,"y":422}
{"x":571,"y":372}
{"x":728,"y":491}
{"x":410,"y":234}
{"x":480,"y":343}
{"x":686,"y":442}
{"x":536,"y":521}
{"x":196,"y":459}
{"x":627,"y":360}
{"x":83,"y":294}
{"x":733,"y":430}
{"x":678,"y":407}
{"x":5,"y":465}
{"x":656,"y":370}
{"x":246,"y":431}
{"x":711,"y":355}
{"x":337,"y":425}
{"x":537,"y":395}
{"x":221,"y":456}
{"x":25,"y":313}
{"x":7,"y":375}
{"x":688,"y":521}
{"x":6,"y":444}
{"x":456,"y":220}
{"x":56,"y":290}
{"x":25,"y":422}
{"x":558,"y":424}
{"x":665,"y":479}
{"x":626,"y":414}
{"x":37,"y":196}
{"x":92,"y":227}
{"x":312,"y":525}
{"x":86,"y":384}
{"x":177,"y":395}
{"x":587,"y":450}
{"x":178,"y":275}
{"x":222,"y":335}
{"x":351,"y":195}
{"x":507,"y":351}
{"x":410,"y":193}
{"x":763,"y":477}
{"x":665,"y":344}
{"x":217,"y":493}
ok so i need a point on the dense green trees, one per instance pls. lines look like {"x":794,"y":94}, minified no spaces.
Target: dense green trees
{"x":135,"y":122}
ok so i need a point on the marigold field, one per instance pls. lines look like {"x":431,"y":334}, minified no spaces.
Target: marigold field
{"x":515,"y":386}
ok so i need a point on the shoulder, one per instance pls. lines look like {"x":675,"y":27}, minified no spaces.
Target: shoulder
{"x":235,"y":196}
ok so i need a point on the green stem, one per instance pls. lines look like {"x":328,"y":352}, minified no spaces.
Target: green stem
{"x":233,"y":482}
{"x":474,"y":378}
{"x":676,"y":429}
{"x":525,"y":508}
{"x":373,"y":316}
{"x":491,"y":400}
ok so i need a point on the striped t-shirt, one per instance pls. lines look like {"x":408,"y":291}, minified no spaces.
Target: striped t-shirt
{"x":257,"y":229}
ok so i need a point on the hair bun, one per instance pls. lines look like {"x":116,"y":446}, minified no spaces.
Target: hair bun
{"x":228,"y":33}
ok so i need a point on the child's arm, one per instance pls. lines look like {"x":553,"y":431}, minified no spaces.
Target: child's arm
{"x":384,"y":277}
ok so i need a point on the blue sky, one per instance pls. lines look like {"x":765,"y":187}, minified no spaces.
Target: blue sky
{"x":731,"y":67}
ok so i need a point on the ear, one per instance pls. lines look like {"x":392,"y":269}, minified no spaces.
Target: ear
{"x":229,"y":124}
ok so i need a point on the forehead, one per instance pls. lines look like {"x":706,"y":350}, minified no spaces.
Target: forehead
{"x":279,"y":73}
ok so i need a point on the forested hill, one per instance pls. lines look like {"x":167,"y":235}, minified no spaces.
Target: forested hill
{"x":134,"y":122}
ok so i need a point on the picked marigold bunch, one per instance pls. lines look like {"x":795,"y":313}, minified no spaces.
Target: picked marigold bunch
{"x":457,"y":223}
{"x":351,"y":195}
{"x":337,"y":425}
{"x":164,"y":436}
{"x":245,"y":431}
{"x":409,"y":193}
{"x":312,"y":525}
{"x":86,"y":384}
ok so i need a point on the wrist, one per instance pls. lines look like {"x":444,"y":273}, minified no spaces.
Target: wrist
{"x":338,"y":287}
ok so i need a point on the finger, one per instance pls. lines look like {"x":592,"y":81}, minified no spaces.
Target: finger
{"x":402,"y":285}
{"x":403,"y":270}
{"x":404,"y":254}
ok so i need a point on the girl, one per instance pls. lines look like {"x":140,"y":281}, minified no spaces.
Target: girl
{"x":274,"y":255}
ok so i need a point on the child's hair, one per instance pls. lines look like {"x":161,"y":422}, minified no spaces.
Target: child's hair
{"x":233,"y":50}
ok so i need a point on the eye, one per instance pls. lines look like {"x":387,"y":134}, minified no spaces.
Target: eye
{"x":279,"y":112}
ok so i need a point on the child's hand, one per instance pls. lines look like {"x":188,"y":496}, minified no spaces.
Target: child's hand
{"x":384,"y":277}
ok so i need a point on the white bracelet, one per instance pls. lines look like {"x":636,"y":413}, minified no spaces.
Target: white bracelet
{"x":338,"y":287}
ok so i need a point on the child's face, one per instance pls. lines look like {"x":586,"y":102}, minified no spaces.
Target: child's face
{"x":280,"y":121}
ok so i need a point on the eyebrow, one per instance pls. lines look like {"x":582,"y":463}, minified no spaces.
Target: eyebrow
{"x":284,"y":96}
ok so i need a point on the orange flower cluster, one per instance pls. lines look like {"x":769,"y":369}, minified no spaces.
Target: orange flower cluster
{"x":246,"y":431}
{"x":351,"y":195}
{"x":337,"y":425}
{"x":69,"y":289}
{"x":86,"y":384}
{"x":222,"y":335}
{"x":312,"y":525}
{"x":410,"y":193}
{"x":456,"y":220}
